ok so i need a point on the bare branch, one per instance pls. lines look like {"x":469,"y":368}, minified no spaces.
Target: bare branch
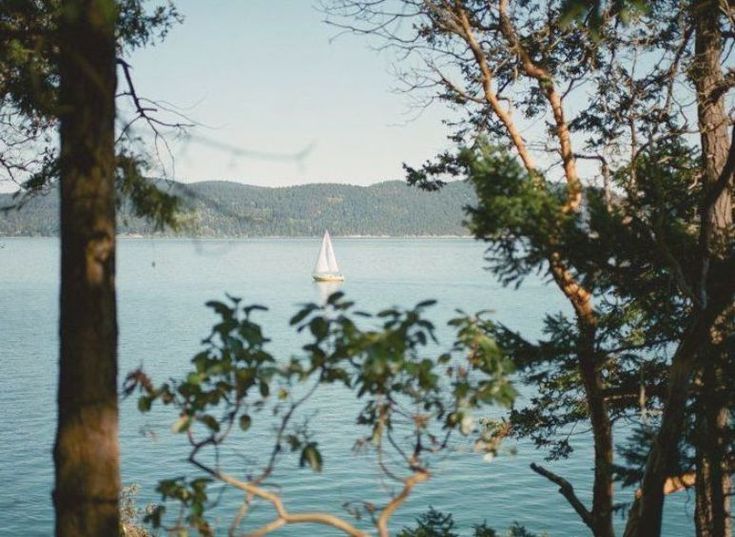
{"x":567,"y":490}
{"x":547,"y":86}
{"x":408,"y":484}
{"x":284,"y":517}
{"x":464,"y":30}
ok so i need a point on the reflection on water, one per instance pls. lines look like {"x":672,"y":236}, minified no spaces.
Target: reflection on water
{"x":325,"y":289}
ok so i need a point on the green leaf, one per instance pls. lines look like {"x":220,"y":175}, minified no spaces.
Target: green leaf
{"x":319,"y":327}
{"x":210,"y":421}
{"x":222,"y":309}
{"x":200,"y":361}
{"x":311,"y":456}
{"x":193,"y":378}
{"x":254,"y":307}
{"x":245,"y":422}
{"x":144,"y":403}
{"x":301,"y":315}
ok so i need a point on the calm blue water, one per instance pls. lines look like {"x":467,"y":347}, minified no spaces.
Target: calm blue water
{"x":162,"y":286}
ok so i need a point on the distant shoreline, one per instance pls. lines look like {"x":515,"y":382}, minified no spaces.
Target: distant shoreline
{"x":233,"y":211}
{"x":125,"y":236}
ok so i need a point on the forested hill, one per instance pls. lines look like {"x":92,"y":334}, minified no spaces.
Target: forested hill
{"x":224,"y":209}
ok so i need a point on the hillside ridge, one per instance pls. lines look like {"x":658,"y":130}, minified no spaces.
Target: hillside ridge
{"x":218,"y":208}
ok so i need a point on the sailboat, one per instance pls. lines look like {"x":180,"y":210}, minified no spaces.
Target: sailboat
{"x":326,"y":269}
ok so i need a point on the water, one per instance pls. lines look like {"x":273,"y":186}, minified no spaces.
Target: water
{"x":162,"y":286}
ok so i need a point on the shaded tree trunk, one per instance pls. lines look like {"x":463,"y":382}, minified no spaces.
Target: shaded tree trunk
{"x":712,"y":511}
{"x":602,"y":489}
{"x":646,"y":521}
{"x":713,"y":481}
{"x":86,"y":452}
{"x":708,"y":80}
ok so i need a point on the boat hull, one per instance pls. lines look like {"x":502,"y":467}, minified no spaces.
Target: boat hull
{"x":328,"y":277}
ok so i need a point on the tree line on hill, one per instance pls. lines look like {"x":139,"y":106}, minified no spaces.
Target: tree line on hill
{"x":225,"y":209}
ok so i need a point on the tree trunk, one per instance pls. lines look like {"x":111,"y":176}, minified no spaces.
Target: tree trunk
{"x":602,"y":488}
{"x":707,"y":76}
{"x":593,"y":382}
{"x":713,"y":481}
{"x":646,"y":521}
{"x":712,"y":511}
{"x":86,"y":452}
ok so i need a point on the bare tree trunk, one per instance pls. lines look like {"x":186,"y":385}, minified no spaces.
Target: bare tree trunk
{"x":86,"y":453}
{"x":713,"y":121}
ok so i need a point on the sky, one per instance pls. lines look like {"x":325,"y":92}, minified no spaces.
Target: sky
{"x":268,"y":76}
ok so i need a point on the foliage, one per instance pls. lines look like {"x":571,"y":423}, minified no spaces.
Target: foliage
{"x":29,"y":95}
{"x":610,"y":250}
{"x":410,"y":402}
{"x":641,"y":248}
{"x":433,"y":523}
{"x":144,"y":199}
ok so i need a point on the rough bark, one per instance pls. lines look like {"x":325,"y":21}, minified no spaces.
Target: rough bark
{"x":708,"y":80}
{"x":86,"y":452}
{"x":713,"y":481}
{"x":646,"y":520}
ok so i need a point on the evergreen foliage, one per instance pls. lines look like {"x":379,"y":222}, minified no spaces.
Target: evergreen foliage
{"x":434,"y":523}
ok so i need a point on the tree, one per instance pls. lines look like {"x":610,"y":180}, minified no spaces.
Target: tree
{"x":617,"y":240}
{"x":59,"y":62}
{"x":86,"y":452}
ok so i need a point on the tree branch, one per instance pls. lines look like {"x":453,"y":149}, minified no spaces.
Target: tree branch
{"x":546,"y":84}
{"x":408,"y":484}
{"x":567,"y":490}
{"x":284,"y":517}
{"x":464,"y":31}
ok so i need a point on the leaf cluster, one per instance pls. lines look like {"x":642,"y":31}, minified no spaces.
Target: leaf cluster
{"x":412,"y":398}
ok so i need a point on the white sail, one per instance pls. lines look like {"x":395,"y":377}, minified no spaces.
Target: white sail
{"x":331,"y":260}
{"x":322,"y":265}
{"x":326,"y":267}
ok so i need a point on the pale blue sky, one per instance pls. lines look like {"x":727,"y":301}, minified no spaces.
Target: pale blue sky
{"x":264,"y":76}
